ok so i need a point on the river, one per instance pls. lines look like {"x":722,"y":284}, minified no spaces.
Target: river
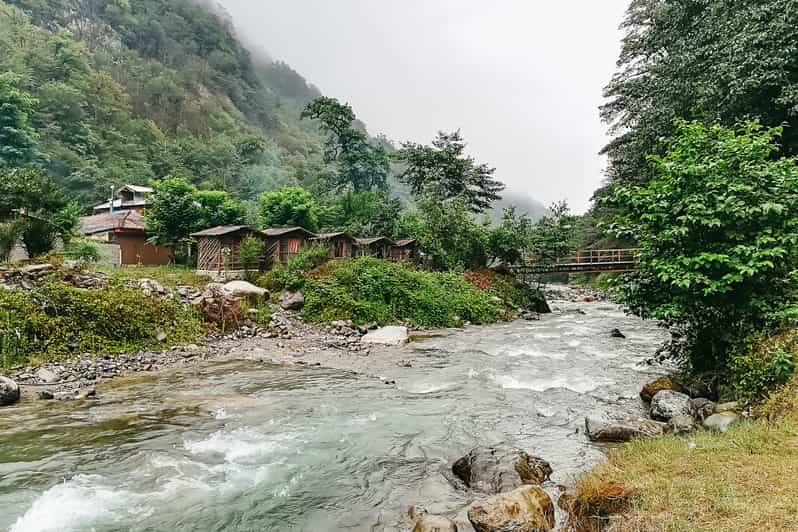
{"x":240,"y":445}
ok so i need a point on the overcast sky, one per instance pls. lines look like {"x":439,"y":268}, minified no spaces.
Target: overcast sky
{"x":522,"y":79}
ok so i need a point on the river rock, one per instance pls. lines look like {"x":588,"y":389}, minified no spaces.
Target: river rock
{"x":720,"y":422}
{"x":681,"y":425}
{"x":702,"y":408}
{"x":499,"y":469}
{"x":245,"y":289}
{"x":526,"y":509}
{"x":616,"y":333}
{"x":622,"y":430}
{"x":292,"y":300}
{"x":392,"y":335}
{"x":667,"y":404}
{"x":424,"y":522}
{"x":47,"y":376}
{"x":657,"y":385}
{"x":9,"y":391}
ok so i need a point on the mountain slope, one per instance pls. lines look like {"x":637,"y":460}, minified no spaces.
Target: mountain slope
{"x":131,"y":91}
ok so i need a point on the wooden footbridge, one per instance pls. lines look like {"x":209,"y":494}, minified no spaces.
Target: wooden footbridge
{"x":587,"y":261}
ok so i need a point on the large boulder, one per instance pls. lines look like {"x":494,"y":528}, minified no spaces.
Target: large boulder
{"x":622,"y":430}
{"x":9,"y":391}
{"x":292,"y":300}
{"x":245,"y":290}
{"x":667,"y":404}
{"x":657,"y":385}
{"x":47,"y":376}
{"x":720,"y":422}
{"x":424,"y":522}
{"x":526,"y":509}
{"x":387,"y":336}
{"x":499,"y":469}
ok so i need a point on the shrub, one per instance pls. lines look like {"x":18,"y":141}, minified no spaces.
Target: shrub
{"x":250,"y":253}
{"x":308,"y":258}
{"x":763,"y":363}
{"x":82,"y":250}
{"x":369,"y":290}
{"x":57,"y":319}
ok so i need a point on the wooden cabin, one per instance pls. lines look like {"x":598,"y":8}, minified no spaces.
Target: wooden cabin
{"x":405,"y":250}
{"x":339,"y":245}
{"x":218,"y":249}
{"x":378,"y":247}
{"x":125,"y":233}
{"x":282,"y":243}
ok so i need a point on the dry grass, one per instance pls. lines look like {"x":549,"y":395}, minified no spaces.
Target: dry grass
{"x":169,"y":276}
{"x":745,"y":480}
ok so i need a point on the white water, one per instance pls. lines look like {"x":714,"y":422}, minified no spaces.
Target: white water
{"x":247,"y":446}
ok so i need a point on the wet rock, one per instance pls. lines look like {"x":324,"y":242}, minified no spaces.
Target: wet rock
{"x":667,"y":404}
{"x":657,"y":385}
{"x":45,"y":395}
{"x":530,"y":316}
{"x":9,"y":391}
{"x":86,"y":393}
{"x":392,"y":335}
{"x":681,"y":425}
{"x":622,"y":430}
{"x":292,"y":300}
{"x":726,"y":407}
{"x":526,"y":509}
{"x":424,"y":522}
{"x":47,"y":376}
{"x":702,"y":408}
{"x":161,"y":336}
{"x":720,"y":422}
{"x":499,"y":469}
{"x":616,"y":333}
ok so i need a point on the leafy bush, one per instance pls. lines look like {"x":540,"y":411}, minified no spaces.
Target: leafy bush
{"x":368,"y":290}
{"x":279,"y":278}
{"x":717,"y":228}
{"x":57,"y":319}
{"x":762,"y":363}
{"x":308,"y":258}
{"x":251,"y":252}
{"x":82,"y":250}
{"x":515,"y":295}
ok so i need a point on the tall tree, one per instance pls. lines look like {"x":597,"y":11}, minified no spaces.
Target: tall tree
{"x":291,"y":206}
{"x":444,"y":171}
{"x":17,"y":138}
{"x":361,"y":164}
{"x":709,"y":60}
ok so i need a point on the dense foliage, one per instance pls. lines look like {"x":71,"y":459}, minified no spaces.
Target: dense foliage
{"x":290,"y":207}
{"x":718,"y":232}
{"x":707,"y":61}
{"x":57,"y":320}
{"x":373,"y":291}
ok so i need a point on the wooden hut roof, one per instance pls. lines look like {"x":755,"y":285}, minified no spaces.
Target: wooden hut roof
{"x":105,"y":222}
{"x":223,"y":230}
{"x":280,"y":231}
{"x":373,"y":240}
{"x":331,"y":236}
{"x":404,"y":242}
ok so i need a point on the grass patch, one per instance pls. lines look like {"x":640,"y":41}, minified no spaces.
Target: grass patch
{"x":746,"y":479}
{"x":369,"y":290}
{"x":57,"y":320}
{"x":169,"y":276}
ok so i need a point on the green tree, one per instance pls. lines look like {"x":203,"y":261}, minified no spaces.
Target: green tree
{"x":718,"y":232}
{"x":364,"y":213}
{"x":555,"y":235}
{"x":174,"y":213}
{"x":216,"y":207}
{"x":361,"y":164}
{"x":444,"y":171}
{"x":250,"y":253}
{"x":449,"y":235}
{"x":290,"y":207}
{"x":18,"y":140}
{"x":509,"y":241}
{"x":706,"y":61}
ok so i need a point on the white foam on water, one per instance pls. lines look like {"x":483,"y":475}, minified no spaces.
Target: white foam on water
{"x":425,"y":388}
{"x":575,"y":384}
{"x":74,"y":505}
{"x":239,"y":446}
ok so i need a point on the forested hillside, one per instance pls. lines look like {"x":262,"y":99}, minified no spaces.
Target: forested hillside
{"x":122,"y":91}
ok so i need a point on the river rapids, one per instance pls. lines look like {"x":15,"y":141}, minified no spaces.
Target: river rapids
{"x":240,"y":445}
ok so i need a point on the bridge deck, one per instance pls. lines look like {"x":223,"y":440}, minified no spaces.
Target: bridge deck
{"x":588,"y":261}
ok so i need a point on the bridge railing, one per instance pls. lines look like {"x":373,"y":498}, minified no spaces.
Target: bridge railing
{"x":591,"y":256}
